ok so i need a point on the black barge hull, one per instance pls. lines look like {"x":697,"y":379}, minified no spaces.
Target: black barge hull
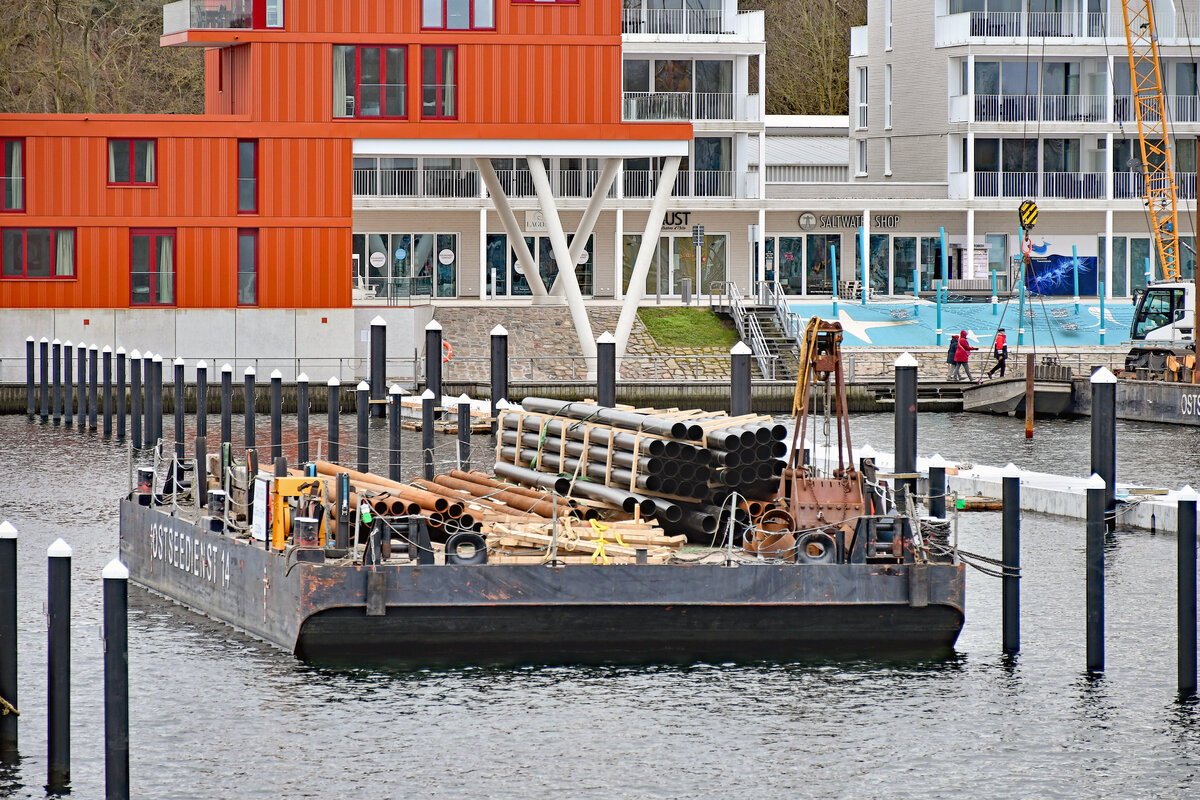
{"x":420,"y":616}
{"x":1147,"y":401}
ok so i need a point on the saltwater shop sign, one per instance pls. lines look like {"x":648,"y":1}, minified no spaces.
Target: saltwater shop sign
{"x":809,"y":221}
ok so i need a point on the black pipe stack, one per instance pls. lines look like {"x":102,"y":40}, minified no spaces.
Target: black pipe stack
{"x":1104,"y":437}
{"x":433,"y":359}
{"x":334,"y":420}
{"x":58,"y":706}
{"x":30,"y":407}
{"x":362,"y":404}
{"x":395,"y":471}
{"x":135,"y":398}
{"x":464,"y":433}
{"x":606,"y":370}
{"x":68,"y":351}
{"x":499,"y":370}
{"x":1095,"y":573}
{"x":378,"y":366}
{"x":428,"y":403}
{"x":116,"y":681}
{"x":302,"y":418}
{"x":122,"y":375}
{"x":226,"y":403}
{"x":1186,"y":592}
{"x":906,"y":426}
{"x":56,"y":395}
{"x":1010,"y":555}
{"x":248,"y":406}
{"x":8,"y":638}
{"x":276,"y":414}
{"x":679,"y":470}
{"x":106,"y":388}
{"x":44,"y":376}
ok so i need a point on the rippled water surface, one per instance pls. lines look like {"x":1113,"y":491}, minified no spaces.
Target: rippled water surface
{"x":217,"y":714}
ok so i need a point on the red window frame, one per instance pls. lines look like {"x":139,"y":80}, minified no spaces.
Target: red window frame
{"x":5,"y":176}
{"x":471,"y":26}
{"x":440,"y":101}
{"x":132,"y":142}
{"x":545,"y":2}
{"x":252,"y":177}
{"x":253,"y":234}
{"x":154,"y":234}
{"x":25,"y":276}
{"x":382,"y":48}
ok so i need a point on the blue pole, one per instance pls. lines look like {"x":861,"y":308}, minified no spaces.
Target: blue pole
{"x":916,"y":291}
{"x":993,"y":293}
{"x":938,"y":290}
{"x":1149,"y":274}
{"x":833,"y":274}
{"x":865,"y":273}
{"x":1101,"y":312}
{"x":1075,"y":266}
{"x":945,"y":260}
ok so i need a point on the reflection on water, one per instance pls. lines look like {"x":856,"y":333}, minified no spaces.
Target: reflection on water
{"x":218,"y":714}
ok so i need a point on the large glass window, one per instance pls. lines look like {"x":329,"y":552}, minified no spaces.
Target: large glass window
{"x":713,"y":174}
{"x":439,"y":91}
{"x":152,"y":267}
{"x":247,"y":176}
{"x":931,"y":262}
{"x":38,"y":253}
{"x":904,"y":263}
{"x":636,"y":75}
{"x":714,"y":90}
{"x":391,"y":268}
{"x":369,"y":82}
{"x":1140,"y":262}
{"x":861,"y":117}
{"x":12,"y":175}
{"x":791,"y":264}
{"x":822,"y":248}
{"x":675,"y":259}
{"x":877,"y":259}
{"x":247,"y":268}
{"x":131,"y":162}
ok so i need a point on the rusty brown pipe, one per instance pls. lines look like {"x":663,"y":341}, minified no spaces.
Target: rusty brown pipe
{"x":481,"y":502}
{"x":487,"y":480}
{"x":542,"y":508}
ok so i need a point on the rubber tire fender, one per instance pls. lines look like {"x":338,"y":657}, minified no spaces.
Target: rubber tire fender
{"x":816,"y":547}
{"x":466,"y":537}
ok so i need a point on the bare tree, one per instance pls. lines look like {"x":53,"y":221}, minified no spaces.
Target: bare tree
{"x":808,"y":43}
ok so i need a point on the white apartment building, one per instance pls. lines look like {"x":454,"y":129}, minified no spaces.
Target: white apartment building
{"x":961,"y":109}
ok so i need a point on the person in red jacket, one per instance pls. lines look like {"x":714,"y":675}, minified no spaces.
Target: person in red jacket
{"x":962,"y":356}
{"x":1000,"y":352}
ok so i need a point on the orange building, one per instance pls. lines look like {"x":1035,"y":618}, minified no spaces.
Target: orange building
{"x":248,"y":206}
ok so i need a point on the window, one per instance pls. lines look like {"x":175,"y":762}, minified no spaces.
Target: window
{"x":131,"y":162}
{"x":459,"y":15}
{"x":12,"y":174}
{"x":887,"y":24}
{"x":152,"y":267}
{"x":862,"y":98}
{"x":247,"y":286}
{"x":887,"y":156}
{"x":438,"y":90}
{"x":862,"y":156}
{"x":369,"y":82}
{"x":887,"y":96}
{"x":547,"y":2}
{"x":247,"y":176}
{"x":38,"y":252}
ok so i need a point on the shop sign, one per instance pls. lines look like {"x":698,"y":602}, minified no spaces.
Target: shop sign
{"x":676,"y":220}
{"x":446,"y":256}
{"x":378,"y":259}
{"x":534,"y":221}
{"x":809,"y":221}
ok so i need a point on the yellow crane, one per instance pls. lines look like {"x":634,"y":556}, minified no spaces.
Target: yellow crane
{"x":1145,"y":77}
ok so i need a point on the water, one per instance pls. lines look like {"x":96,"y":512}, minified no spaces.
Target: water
{"x":218,"y":714}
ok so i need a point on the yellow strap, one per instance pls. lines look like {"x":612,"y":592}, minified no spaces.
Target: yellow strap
{"x":599,"y":555}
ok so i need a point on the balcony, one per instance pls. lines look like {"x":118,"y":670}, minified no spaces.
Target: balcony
{"x":191,"y":15}
{"x":1040,"y":108}
{"x":1064,"y":185}
{"x":410,"y":182}
{"x":963,"y":26}
{"x":1180,"y":108}
{"x":675,"y":21}
{"x":689,"y":106}
{"x":695,"y":183}
{"x":1132,"y":185}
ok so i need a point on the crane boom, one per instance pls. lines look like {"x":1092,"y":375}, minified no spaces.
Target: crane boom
{"x":1146,"y":81}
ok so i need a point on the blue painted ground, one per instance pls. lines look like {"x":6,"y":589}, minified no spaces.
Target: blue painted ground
{"x":892,"y":323}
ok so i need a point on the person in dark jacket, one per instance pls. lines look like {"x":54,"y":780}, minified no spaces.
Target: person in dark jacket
{"x":1000,"y":353}
{"x":962,"y":356}
{"x":951,"y":366}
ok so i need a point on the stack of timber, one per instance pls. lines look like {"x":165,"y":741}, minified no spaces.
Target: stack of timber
{"x":579,"y":542}
{"x":678,"y":467}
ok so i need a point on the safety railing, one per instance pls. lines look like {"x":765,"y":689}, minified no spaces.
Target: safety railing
{"x":657,"y":106}
{"x":747,"y":324}
{"x":672,"y":21}
{"x":1132,"y":185}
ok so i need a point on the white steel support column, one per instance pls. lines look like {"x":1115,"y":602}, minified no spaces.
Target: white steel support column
{"x":619,"y":255}
{"x":761,"y":266}
{"x":483,"y":270}
{"x":649,"y":243}
{"x":588,"y":222}
{"x":516,"y":237}
{"x":562,"y":254}
{"x":968,"y":269}
{"x":1108,"y":255}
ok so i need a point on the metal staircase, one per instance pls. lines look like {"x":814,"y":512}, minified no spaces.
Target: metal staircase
{"x":768,"y":327}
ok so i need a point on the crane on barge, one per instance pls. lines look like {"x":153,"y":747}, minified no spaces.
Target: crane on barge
{"x":1163,"y":332}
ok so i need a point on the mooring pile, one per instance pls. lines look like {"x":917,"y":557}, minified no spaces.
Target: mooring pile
{"x":679,"y":467}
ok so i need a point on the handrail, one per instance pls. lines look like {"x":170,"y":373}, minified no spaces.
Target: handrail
{"x":747,"y":324}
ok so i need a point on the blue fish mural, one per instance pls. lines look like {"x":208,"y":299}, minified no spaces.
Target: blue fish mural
{"x":1055,"y":275}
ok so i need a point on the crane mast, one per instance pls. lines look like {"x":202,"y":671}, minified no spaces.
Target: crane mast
{"x":1146,"y":81}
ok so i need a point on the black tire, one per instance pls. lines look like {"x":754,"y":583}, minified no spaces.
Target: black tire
{"x":466,"y":538}
{"x":816,"y":548}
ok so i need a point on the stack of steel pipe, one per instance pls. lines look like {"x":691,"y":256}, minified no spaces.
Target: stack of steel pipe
{"x":678,"y":470}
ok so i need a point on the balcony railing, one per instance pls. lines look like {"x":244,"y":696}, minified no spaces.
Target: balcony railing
{"x":1132,"y":185}
{"x":1044,"y":108}
{"x":1180,"y":108}
{"x":218,"y":14}
{"x":962,"y":23}
{"x":675,"y":21}
{"x":686,"y":106}
{"x":1067,"y":185}
{"x":464,"y":184}
{"x":694,"y":183}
